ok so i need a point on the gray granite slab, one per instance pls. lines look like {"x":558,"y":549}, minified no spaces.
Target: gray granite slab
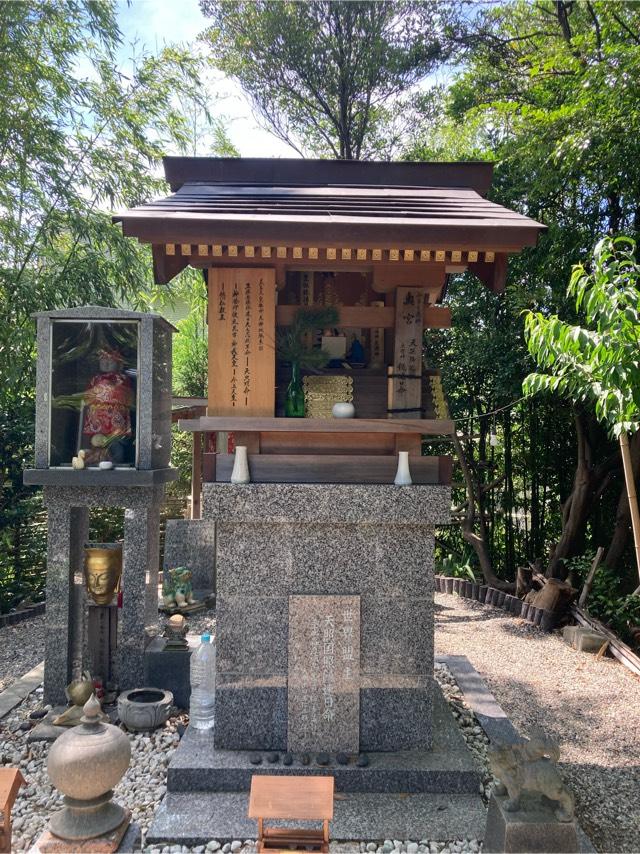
{"x":127,"y":477}
{"x":325,"y":540}
{"x":251,"y":634}
{"x":251,"y":713}
{"x":324,"y":673}
{"x":324,"y":503}
{"x":169,"y":669}
{"x":331,"y":559}
{"x":533,"y":828}
{"x":396,"y":718}
{"x":397,"y":634}
{"x":21,"y":688}
{"x":490,"y":714}
{"x":194,"y":819}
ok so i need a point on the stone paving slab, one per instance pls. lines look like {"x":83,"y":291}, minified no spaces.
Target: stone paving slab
{"x":20,"y":689}
{"x":193,"y":819}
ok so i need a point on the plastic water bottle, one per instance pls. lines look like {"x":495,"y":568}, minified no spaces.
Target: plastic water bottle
{"x":203,"y":684}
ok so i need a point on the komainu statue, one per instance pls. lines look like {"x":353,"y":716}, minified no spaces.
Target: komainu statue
{"x":531,"y":767}
{"x":176,"y":588}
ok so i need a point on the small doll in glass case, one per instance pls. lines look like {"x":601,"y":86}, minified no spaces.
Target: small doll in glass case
{"x":106,"y":412}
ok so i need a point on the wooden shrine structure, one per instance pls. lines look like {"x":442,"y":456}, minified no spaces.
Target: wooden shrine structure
{"x":376,"y":240}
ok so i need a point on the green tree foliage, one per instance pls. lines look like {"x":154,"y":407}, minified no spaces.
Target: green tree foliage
{"x":598,"y":363}
{"x":325,"y":75}
{"x":550,"y":92}
{"x":77,"y":137}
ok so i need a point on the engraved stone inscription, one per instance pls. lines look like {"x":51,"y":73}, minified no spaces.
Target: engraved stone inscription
{"x":324,"y":673}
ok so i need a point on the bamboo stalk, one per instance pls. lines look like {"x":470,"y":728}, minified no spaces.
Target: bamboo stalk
{"x":631,"y":495}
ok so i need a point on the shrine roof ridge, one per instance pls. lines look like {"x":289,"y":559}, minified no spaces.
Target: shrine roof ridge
{"x":300,"y":172}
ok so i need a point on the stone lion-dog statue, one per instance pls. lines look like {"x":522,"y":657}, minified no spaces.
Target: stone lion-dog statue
{"x":531,"y":767}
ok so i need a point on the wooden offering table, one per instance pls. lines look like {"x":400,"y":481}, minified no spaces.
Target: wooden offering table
{"x":294,"y":799}
{"x":321,"y":450}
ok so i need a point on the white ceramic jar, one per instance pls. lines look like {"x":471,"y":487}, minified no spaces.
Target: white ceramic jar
{"x":343,"y":409}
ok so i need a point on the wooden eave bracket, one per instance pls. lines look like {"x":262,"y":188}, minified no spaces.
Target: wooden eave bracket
{"x":165,"y":267}
{"x":494,"y":275}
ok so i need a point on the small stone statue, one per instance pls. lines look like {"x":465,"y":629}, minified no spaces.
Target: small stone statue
{"x":176,"y":588}
{"x":176,"y":633}
{"x":531,"y":767}
{"x":79,"y":461}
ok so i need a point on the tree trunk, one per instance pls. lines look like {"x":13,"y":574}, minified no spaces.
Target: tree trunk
{"x":476,"y":541}
{"x":588,"y":484}
{"x":576,"y":509}
{"x":620,"y":536}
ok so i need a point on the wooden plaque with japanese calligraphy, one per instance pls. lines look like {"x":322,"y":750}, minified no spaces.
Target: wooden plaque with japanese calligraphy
{"x":324,"y":673}
{"x":405,"y":394}
{"x":242,"y":363}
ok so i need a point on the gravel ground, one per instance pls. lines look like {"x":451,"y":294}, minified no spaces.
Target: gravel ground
{"x":590,"y":707}
{"x":21,"y":648}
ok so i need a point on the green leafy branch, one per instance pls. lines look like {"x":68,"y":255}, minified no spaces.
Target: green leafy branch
{"x":292,"y":345}
{"x":600,"y":362}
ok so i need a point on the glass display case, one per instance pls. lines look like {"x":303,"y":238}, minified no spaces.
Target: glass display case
{"x":93,"y":393}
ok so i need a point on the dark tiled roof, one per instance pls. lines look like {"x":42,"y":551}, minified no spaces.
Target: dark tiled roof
{"x":206,"y":208}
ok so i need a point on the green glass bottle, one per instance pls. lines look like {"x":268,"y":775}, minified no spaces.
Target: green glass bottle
{"x":294,"y":399}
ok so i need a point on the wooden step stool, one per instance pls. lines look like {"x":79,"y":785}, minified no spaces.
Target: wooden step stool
{"x":10,"y":781}
{"x":294,"y":798}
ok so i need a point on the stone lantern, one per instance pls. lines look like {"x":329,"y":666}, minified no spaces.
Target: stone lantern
{"x":85,"y":764}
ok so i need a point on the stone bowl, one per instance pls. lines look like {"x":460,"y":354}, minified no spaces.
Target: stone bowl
{"x":144,"y":708}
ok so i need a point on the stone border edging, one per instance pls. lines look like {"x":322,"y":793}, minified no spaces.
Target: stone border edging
{"x":490,"y":714}
{"x":14,"y":617}
{"x":546,"y":620}
{"x":20,"y":689}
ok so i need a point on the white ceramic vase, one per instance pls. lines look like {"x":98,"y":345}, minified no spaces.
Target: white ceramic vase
{"x":240,"y":473}
{"x":344,"y":409}
{"x":403,"y":475}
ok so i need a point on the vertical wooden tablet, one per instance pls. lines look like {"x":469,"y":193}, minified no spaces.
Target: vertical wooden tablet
{"x":405,"y":397}
{"x":241,"y":341}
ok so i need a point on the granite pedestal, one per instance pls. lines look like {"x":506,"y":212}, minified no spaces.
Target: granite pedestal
{"x":533,"y":828}
{"x":168,"y":669}
{"x":66,"y":650}
{"x":369,"y":544}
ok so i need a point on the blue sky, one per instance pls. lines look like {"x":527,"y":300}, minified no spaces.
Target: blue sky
{"x":150,"y":24}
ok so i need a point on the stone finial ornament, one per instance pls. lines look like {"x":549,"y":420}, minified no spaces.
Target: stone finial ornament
{"x":176,"y":632}
{"x":85,"y":764}
{"x":531,"y":767}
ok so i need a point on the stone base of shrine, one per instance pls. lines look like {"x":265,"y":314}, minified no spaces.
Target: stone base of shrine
{"x":324,"y":615}
{"x":399,"y":795}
